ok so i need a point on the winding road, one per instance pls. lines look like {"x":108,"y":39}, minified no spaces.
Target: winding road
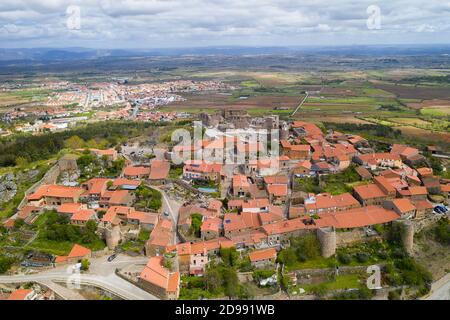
{"x":101,"y":275}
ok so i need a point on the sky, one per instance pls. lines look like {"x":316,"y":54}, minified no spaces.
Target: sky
{"x":197,"y":23}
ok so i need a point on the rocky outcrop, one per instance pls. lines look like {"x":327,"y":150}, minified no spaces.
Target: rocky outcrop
{"x":9,"y":183}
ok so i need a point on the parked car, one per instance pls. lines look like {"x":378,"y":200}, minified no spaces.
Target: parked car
{"x":166,"y":213}
{"x":112,"y":257}
{"x":440,"y":209}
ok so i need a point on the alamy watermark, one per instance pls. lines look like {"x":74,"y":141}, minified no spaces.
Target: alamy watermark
{"x":374,"y":280}
{"x":73,"y":21}
{"x":373,"y":22}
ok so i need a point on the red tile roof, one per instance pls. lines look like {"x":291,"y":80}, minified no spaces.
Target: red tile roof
{"x":79,"y":251}
{"x":159,"y":169}
{"x":403,"y":205}
{"x":369,"y":191}
{"x":55,"y":191}
{"x":20,"y":294}
{"x":131,"y":171}
{"x":264,"y":254}
{"x":83,"y":215}
{"x":278,"y":190}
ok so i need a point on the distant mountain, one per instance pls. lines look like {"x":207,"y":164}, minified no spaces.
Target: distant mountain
{"x":70,"y":54}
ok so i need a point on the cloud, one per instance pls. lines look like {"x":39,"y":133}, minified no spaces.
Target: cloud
{"x":169,"y":23}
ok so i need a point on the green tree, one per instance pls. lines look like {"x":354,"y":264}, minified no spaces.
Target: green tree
{"x":287,"y":257}
{"x":229,"y":256}
{"x":85,"y":263}
{"x":18,"y":223}
{"x":74,"y":142}
{"x":196,"y":224}
{"x":213,"y":279}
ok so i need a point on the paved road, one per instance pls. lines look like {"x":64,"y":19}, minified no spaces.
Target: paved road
{"x":300,"y":105}
{"x":172,"y":207}
{"x":101,"y":274}
{"x":442,"y":293}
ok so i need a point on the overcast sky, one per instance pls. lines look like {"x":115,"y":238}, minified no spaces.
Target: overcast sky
{"x":194,"y":23}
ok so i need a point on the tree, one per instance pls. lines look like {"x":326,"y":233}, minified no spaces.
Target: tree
{"x":74,"y":142}
{"x":5,"y":263}
{"x":213,"y":279}
{"x":196,"y":223}
{"x":307,"y":246}
{"x":85,"y":264}
{"x":229,"y":256}
{"x":287,"y":257}
{"x":230,"y":282}
{"x":18,"y":223}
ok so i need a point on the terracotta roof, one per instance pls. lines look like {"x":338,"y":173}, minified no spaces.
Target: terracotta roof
{"x":211,"y":224}
{"x":369,"y":191}
{"x":305,"y":164}
{"x":79,"y":251}
{"x":174,"y":282}
{"x":203,"y":167}
{"x":162,"y":234}
{"x":83,"y":215}
{"x":232,"y":222}
{"x":159,"y":169}
{"x":353,"y":218}
{"x":255,"y":203}
{"x":327,"y":201}
{"x":445,"y":187}
{"x":384,"y":184}
{"x":418,"y":190}
{"x":276,"y":179}
{"x":310,"y":128}
{"x":143,"y":217}
{"x":136,"y":171}
{"x":240,"y":181}
{"x":70,"y":208}
{"x":363,"y":172}
{"x":423,"y":205}
{"x":265,"y":254}
{"x":26,"y":211}
{"x":55,"y":191}
{"x":371,"y":157}
{"x":404,"y":150}
{"x":278,"y":190}
{"x":118,"y":196}
{"x":403,"y":205}
{"x":300,"y":147}
{"x":155,"y":273}
{"x":19,"y":294}
{"x":97,"y":185}
{"x":124,"y":181}
{"x":425,"y":171}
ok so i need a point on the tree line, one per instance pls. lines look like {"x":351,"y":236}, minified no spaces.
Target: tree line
{"x":33,"y":148}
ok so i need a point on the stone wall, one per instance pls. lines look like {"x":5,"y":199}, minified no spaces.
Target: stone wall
{"x":354,"y":236}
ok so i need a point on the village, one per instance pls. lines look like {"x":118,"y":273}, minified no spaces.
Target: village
{"x":323,"y":191}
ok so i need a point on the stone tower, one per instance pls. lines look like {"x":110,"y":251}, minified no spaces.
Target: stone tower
{"x":407,"y":236}
{"x":327,"y":238}
{"x":112,"y":236}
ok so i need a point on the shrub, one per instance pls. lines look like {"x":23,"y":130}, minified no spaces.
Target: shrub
{"x":362,"y":257}
{"x":344,"y":258}
{"x":394,"y":295}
